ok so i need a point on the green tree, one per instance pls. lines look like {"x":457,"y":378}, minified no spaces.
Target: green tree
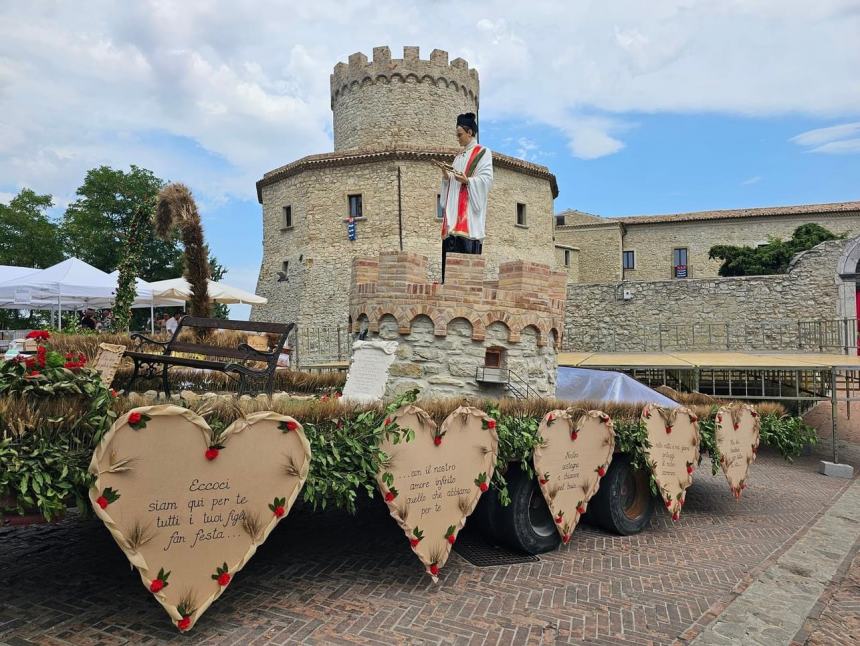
{"x":95,"y":225}
{"x":217,"y":271}
{"x":28,"y":237}
{"x":773,"y":257}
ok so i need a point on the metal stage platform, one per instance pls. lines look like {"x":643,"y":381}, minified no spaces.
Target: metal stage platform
{"x":798,"y":379}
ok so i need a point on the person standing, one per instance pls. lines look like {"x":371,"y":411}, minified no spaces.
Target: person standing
{"x":173,"y":323}
{"x":464,"y":192}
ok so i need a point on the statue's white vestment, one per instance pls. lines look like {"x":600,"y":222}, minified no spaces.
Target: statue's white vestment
{"x":464,"y":206}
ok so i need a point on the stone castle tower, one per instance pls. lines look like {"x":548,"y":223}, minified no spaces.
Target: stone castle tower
{"x":392,"y":117}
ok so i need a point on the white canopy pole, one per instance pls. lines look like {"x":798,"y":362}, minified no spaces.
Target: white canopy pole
{"x":59,"y":308}
{"x":152,"y":315}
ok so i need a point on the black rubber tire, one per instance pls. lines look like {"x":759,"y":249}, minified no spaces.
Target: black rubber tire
{"x":526,"y":524}
{"x":623,"y":504}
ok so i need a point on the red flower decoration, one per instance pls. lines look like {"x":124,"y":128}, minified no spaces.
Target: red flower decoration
{"x":211,"y":453}
{"x":668,"y":428}
{"x":102,"y":502}
{"x":437,"y":440}
{"x":156,"y":585}
{"x":134,"y":417}
{"x":434,"y":569}
{"x":565,"y":538}
{"x":574,"y":435}
{"x":491,"y":424}
{"x":223,"y":579}
{"x":184,"y":623}
{"x":601,"y":471}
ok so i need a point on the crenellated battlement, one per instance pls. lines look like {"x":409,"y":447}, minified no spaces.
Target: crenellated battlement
{"x":387,"y":103}
{"x":358,"y":71}
{"x":526,"y":294}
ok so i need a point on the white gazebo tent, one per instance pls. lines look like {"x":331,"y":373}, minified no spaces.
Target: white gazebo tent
{"x":71,"y":283}
{"x":218,"y":292}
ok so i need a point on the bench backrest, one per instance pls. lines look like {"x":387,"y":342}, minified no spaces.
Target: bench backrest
{"x":279,"y":330}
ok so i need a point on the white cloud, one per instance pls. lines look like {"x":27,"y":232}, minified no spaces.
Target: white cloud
{"x":835,"y":140}
{"x":844,"y":147}
{"x":83,"y":84}
{"x":751,"y":180}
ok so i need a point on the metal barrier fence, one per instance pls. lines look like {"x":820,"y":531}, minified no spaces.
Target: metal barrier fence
{"x":835,"y":336}
{"x":310,"y":345}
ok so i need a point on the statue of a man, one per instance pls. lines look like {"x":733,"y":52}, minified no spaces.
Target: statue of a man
{"x":464,"y":192}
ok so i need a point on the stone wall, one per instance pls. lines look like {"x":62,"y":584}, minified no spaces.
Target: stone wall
{"x":445,"y":367}
{"x":445,"y":330}
{"x":390,"y":102}
{"x":599,"y":251}
{"x":320,"y":254}
{"x":754,"y":312}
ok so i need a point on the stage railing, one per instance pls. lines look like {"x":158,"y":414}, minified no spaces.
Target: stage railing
{"x":833,"y":336}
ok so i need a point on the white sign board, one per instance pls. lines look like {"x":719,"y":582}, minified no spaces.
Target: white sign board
{"x":368,"y":371}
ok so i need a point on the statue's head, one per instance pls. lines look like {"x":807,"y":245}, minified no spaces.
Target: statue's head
{"x":467,"y":127}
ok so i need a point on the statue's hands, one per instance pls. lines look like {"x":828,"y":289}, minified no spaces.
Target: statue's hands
{"x":460,"y":178}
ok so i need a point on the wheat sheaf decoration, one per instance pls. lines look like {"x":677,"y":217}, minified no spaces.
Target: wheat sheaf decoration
{"x":176,"y":209}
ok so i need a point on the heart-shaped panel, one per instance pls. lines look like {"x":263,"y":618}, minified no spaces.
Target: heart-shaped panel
{"x":674,"y":452}
{"x":432,"y":483}
{"x":736,"y":431}
{"x":189,"y":506}
{"x":575,"y":454}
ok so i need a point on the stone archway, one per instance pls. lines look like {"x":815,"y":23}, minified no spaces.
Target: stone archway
{"x":848,"y":279}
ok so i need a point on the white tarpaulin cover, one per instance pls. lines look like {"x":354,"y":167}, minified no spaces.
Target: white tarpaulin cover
{"x":581,"y":384}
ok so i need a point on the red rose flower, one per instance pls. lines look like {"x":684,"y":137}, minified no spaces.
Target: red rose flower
{"x":452,"y":539}
{"x":184,"y":623}
{"x":413,"y":542}
{"x":223,"y":579}
{"x":156,"y":585}
{"x":134,"y":418}
{"x":102,"y":502}
{"x":211,"y":453}
{"x":279,"y":511}
{"x":565,"y":538}
{"x":291,"y":425}
{"x":483,"y":486}
{"x":491,"y":423}
{"x":574,"y":435}
{"x":437,"y":440}
{"x":389,"y":496}
{"x":434,"y":569}
{"x":113,"y":393}
{"x":601,"y":471}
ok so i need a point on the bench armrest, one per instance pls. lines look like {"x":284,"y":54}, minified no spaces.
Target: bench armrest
{"x":254,"y":352}
{"x":141,"y":339}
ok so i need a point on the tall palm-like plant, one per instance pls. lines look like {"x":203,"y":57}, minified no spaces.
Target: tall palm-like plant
{"x":176,"y":209}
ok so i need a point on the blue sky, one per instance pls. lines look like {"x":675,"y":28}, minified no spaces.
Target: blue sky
{"x":638,"y":108}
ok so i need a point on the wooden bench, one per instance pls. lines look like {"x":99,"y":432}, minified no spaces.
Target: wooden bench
{"x":238,"y":361}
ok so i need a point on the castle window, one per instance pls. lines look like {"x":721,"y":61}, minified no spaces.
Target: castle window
{"x":521,"y":215}
{"x":679,"y":263}
{"x":567,"y":257}
{"x":438,"y":206}
{"x":288,"y":218}
{"x":629,"y":259}
{"x":355,"y":208}
{"x":559,"y":220}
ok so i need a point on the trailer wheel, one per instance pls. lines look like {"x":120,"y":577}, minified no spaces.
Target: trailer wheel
{"x":623,"y":504}
{"x":526,"y":524}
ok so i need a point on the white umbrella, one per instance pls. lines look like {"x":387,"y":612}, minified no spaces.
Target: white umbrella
{"x":218,"y":292}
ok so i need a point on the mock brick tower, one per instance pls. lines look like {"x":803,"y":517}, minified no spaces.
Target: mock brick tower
{"x":392,"y":117}
{"x":470,"y":336}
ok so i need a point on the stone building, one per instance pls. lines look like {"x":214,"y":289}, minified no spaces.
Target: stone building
{"x":595,"y":249}
{"x":470,"y":336}
{"x":813,"y":307}
{"x":392,"y":117}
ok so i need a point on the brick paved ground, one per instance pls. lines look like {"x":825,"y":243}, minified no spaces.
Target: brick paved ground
{"x":332,"y":578}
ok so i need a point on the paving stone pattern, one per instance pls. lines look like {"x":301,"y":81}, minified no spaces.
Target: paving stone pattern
{"x":335,"y":579}
{"x":836,"y":619}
